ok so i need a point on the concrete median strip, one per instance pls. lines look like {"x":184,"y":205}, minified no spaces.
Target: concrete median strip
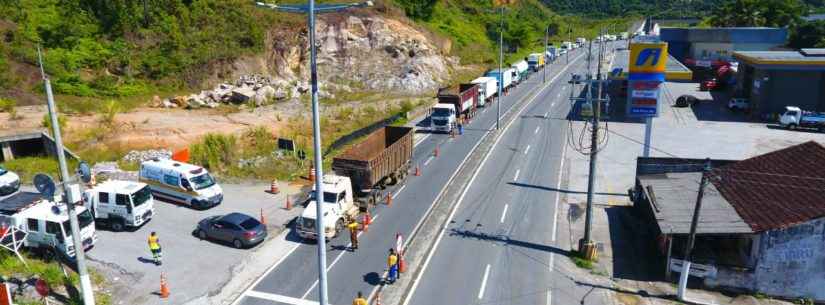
{"x":422,"y":243}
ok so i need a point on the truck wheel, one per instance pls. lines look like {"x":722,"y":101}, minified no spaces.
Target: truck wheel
{"x":117,"y":225}
{"x":792,"y":126}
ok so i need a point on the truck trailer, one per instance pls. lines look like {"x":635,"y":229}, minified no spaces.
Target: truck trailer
{"x":505,"y":80}
{"x":535,"y":61}
{"x":360,"y":175}
{"x":486,"y":89}
{"x":463,"y":98}
{"x":522,"y":69}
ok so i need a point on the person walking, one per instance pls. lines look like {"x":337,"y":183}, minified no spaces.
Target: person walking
{"x":360,"y":300}
{"x":353,"y":235}
{"x":154,"y":246}
{"x":392,"y":264}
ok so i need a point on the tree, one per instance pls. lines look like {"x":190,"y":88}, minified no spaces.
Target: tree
{"x":418,"y":9}
{"x":808,"y":35}
{"x":770,"y":13}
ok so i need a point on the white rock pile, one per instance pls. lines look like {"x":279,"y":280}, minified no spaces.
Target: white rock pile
{"x":137,"y":156}
{"x":255,"y":88}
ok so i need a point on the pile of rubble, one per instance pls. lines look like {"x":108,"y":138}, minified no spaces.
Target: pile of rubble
{"x":254,"y":88}
{"x":137,"y":156}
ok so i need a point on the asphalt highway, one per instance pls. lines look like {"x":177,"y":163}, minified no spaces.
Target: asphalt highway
{"x":293,"y":280}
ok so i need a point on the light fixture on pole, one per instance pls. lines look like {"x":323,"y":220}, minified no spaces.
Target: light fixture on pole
{"x":311,"y":9}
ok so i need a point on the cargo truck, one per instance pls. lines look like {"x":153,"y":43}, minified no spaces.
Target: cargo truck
{"x":794,"y":118}
{"x":463,"y":98}
{"x":522,"y":70}
{"x":44,"y":224}
{"x":505,"y":80}
{"x":486,"y":89}
{"x":360,"y":175}
{"x":581,"y":41}
{"x":535,"y":61}
{"x":120,"y":204}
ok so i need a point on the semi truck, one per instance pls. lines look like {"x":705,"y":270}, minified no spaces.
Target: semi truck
{"x":535,"y":61}
{"x":551,"y":53}
{"x":522,"y":70}
{"x":43,"y":223}
{"x":462,"y":97}
{"x":505,"y":80}
{"x":361,"y":173}
{"x":120,"y":204}
{"x":794,"y":118}
{"x":486,"y":89}
{"x":581,"y":41}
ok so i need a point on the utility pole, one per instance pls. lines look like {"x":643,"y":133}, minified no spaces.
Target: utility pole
{"x":310,"y":10}
{"x":77,"y":242}
{"x":683,"y":277}
{"x":570,"y":37}
{"x":500,"y":66}
{"x":546,"y":60}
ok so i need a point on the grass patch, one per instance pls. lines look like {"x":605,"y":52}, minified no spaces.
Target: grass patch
{"x":27,"y":167}
{"x":582,"y":262}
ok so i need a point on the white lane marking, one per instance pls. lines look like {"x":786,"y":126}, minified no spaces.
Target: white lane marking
{"x":516,"y":176}
{"x":255,"y":283}
{"x":484,"y":282}
{"x":428,"y":160}
{"x":504,"y":213}
{"x":461,"y":198}
{"x":537,"y":129}
{"x":527,"y":150}
{"x":398,"y":191}
{"x":549,"y":297}
{"x":422,"y":139}
{"x":548,"y":112}
{"x":563,"y":87}
{"x":558,"y":95}
{"x":279,"y":298}
{"x":558,"y":190}
{"x":552,"y":261}
{"x":314,"y":284}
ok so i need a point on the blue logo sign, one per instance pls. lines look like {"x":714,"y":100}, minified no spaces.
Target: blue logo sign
{"x":651,"y":54}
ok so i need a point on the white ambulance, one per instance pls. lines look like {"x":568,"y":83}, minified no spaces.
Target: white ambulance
{"x":181,"y":183}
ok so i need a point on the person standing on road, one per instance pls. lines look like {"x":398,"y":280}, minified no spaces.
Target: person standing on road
{"x":154,"y":246}
{"x":353,"y":234}
{"x":392,"y":264}
{"x":360,"y":300}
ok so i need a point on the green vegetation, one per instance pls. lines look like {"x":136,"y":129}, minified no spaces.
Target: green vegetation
{"x":27,"y":167}
{"x":51,"y":272}
{"x":215,"y":151}
{"x":769,"y":13}
{"x":657,"y":9}
{"x":808,"y":35}
{"x":46,"y":122}
{"x":582,"y":262}
{"x":9,"y":106}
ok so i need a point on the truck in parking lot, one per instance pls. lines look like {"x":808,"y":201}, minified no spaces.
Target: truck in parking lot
{"x":181,"y":183}
{"x":794,"y":118}
{"x":486,"y":89}
{"x":120,"y":204}
{"x":361,"y":174}
{"x":45,"y":223}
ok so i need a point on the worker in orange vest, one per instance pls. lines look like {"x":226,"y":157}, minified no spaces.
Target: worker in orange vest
{"x":360,"y":300}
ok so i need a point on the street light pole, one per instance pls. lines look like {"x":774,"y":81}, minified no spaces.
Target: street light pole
{"x":544,"y":69}
{"x":77,"y":240}
{"x":500,"y":66}
{"x":310,"y":10}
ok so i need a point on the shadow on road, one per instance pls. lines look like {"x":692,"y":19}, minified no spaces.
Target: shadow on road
{"x":552,"y":189}
{"x":507,"y":240}
{"x":641,"y":293}
{"x":373,"y":278}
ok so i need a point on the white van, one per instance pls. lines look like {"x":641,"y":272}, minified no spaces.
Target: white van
{"x":9,"y":182}
{"x":121,"y":204}
{"x":181,"y":182}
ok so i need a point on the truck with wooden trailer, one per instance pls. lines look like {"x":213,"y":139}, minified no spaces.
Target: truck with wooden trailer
{"x":361,"y":173}
{"x":464,"y":100}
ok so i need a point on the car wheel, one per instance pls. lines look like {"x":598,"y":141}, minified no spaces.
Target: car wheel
{"x":237,"y":244}
{"x":117,"y":225}
{"x":202,"y":234}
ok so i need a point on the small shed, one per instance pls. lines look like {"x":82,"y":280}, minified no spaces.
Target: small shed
{"x":26,"y":143}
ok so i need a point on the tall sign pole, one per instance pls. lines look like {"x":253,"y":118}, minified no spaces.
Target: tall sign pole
{"x":647,"y":64}
{"x":500,"y":66}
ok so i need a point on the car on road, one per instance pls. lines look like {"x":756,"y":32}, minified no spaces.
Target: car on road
{"x":9,"y":182}
{"x":738,"y":103}
{"x":709,"y":85}
{"x":239,"y":229}
{"x":686,"y":101}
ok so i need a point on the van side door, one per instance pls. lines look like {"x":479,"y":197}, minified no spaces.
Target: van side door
{"x":103,"y":204}
{"x":123,"y":205}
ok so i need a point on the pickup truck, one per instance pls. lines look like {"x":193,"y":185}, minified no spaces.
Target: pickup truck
{"x":794,"y":118}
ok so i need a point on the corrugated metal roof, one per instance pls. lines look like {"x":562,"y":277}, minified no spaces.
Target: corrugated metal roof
{"x":812,"y":52}
{"x":674,"y":199}
{"x":777,"y":189}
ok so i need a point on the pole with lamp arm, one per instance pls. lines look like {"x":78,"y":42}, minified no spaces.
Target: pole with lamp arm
{"x":310,"y":9}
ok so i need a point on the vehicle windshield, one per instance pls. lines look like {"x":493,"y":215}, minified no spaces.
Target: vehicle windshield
{"x":791,"y":113}
{"x":142,"y":196}
{"x":85,"y":218}
{"x":202,"y":181}
{"x":328,"y":197}
{"x":441,"y":112}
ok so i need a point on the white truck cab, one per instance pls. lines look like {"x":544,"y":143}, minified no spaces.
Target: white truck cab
{"x":181,"y":182}
{"x":121,"y":204}
{"x":338,"y":205}
{"x":46,"y":222}
{"x":9,"y":182}
{"x":443,"y":117}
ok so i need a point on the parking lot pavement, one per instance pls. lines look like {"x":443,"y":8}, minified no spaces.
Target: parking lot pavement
{"x":194,"y":268}
{"x":678,"y":132}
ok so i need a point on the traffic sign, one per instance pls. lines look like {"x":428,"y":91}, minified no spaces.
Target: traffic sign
{"x":41,"y":287}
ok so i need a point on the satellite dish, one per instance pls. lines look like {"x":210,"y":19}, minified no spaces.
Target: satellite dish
{"x":84,"y":172}
{"x":55,"y":210}
{"x":45,"y":185}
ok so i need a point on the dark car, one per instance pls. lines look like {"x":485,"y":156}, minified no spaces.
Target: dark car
{"x":240,"y":230}
{"x":686,"y":101}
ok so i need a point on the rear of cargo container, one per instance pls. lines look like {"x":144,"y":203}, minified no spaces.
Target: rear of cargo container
{"x":382,"y":158}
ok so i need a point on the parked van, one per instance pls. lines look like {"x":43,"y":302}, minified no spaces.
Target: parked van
{"x":181,"y":183}
{"x":46,"y":223}
{"x":121,"y":204}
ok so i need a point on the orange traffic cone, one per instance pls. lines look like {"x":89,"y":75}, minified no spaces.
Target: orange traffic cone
{"x":389,"y":199}
{"x":312,"y":174}
{"x":288,"y":204}
{"x":437,"y":151}
{"x":164,"y":289}
{"x":367,"y":222}
{"x":417,"y":170}
{"x":378,"y":299}
{"x":402,"y":264}
{"x":273,"y":188}
{"x":263,"y":220}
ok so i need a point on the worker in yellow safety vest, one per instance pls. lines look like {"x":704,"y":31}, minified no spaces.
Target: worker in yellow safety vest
{"x":353,"y":234}
{"x":392,"y":264}
{"x":360,"y":300}
{"x":154,"y":247}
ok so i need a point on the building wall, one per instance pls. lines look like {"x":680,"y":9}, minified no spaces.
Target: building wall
{"x":790,"y":263}
{"x":793,"y":88}
{"x":724,"y":51}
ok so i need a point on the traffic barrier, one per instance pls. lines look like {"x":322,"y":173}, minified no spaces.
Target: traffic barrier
{"x":164,"y":288}
{"x":273,"y":188}
{"x":402,"y":264}
{"x":288,"y":204}
{"x":378,"y":299}
{"x":417,"y":171}
{"x":312,"y":174}
{"x":263,"y":220}
{"x":389,"y":199}
{"x":436,"y":152}
{"x":367,"y":222}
